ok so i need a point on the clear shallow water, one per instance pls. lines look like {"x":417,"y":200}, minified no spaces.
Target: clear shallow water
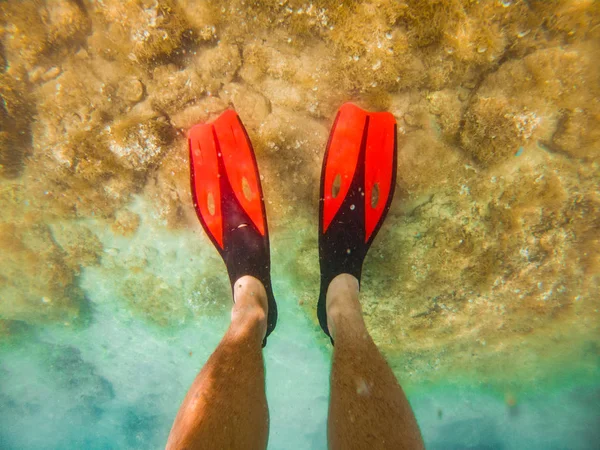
{"x":117,"y":385}
{"x":116,"y":382}
{"x":482,"y":289}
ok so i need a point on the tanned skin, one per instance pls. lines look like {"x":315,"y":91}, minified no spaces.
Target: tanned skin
{"x":226,"y":407}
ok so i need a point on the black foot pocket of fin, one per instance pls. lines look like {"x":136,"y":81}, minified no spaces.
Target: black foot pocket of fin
{"x":357,"y":186}
{"x":229,"y":203}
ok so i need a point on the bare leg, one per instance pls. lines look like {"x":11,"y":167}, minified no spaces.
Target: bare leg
{"x":368,"y":408}
{"x":226,"y":407}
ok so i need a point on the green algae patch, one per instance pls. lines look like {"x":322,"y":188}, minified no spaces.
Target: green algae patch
{"x":529,"y":370}
{"x":139,"y":30}
{"x":529,"y":100}
{"x":455,"y":287}
{"x":36,"y":33}
{"x":41,"y":263}
{"x":138,"y":141}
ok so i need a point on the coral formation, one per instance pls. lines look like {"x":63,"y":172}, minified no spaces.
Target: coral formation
{"x":491,"y":248}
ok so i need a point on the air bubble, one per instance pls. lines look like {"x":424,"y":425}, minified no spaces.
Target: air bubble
{"x":352,"y":207}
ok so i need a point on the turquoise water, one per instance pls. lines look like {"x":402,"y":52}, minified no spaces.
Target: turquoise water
{"x":482,"y":289}
{"x":117,"y":385}
{"x":116,"y":382}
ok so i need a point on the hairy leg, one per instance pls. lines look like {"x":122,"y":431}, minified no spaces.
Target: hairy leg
{"x":368,"y":408}
{"x":226,"y":406}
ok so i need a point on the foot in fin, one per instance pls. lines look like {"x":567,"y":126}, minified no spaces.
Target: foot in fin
{"x":357,"y":186}
{"x":228,"y":200}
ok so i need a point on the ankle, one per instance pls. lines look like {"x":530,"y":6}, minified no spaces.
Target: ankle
{"x":249,"y":312}
{"x":342,"y":304}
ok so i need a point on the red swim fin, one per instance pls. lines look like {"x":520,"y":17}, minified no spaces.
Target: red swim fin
{"x":357,"y":187}
{"x":228,"y":200}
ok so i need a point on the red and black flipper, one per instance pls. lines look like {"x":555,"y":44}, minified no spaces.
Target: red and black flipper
{"x":357,"y":186}
{"x":229,"y":203}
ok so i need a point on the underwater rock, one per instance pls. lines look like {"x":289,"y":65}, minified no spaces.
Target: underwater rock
{"x":67,"y":22}
{"x":218,"y":65}
{"x":522,"y":103}
{"x":82,"y":248}
{"x":170,"y":89}
{"x":578,"y":133}
{"x":204,"y":110}
{"x":23,"y":33}
{"x":251,"y":106}
{"x":289,"y":158}
{"x":151,"y":297}
{"x":575,"y":20}
{"x":498,"y":267}
{"x":169,"y":187}
{"x":140,"y":30}
{"x":42,"y":259}
{"x":137,"y":141}
{"x":78,"y":101}
{"x":425,"y":164}
{"x":126,"y":222}
{"x":290,"y":78}
{"x":201,"y":16}
{"x":78,"y":376}
{"x":70,"y":139}
{"x":36,"y":32}
{"x":165,"y":299}
{"x":494,"y":130}
{"x":447,"y":106}
{"x":131,"y":90}
{"x":16,"y":114}
{"x":39,"y":278}
{"x":378,"y":61}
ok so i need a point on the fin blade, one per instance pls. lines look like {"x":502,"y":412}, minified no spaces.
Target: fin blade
{"x":341,"y":159}
{"x":240,"y":165}
{"x":204,"y":169}
{"x":380,"y":169}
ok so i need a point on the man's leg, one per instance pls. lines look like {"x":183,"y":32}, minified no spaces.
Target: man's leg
{"x":368,"y":408}
{"x":226,"y":407}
